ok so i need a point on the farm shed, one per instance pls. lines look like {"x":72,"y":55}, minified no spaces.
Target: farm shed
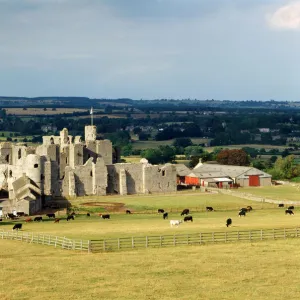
{"x":182,"y":172}
{"x":244,"y":176}
{"x":214,"y":179}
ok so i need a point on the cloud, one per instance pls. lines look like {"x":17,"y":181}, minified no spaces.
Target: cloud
{"x":286,"y":17}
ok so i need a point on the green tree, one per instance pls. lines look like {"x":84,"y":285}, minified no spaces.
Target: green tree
{"x":127,"y":150}
{"x":182,"y":142}
{"x":193,"y":151}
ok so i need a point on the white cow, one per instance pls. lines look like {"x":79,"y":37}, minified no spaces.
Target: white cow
{"x":175,"y":223}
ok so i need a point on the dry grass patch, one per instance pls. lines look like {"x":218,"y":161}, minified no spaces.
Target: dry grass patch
{"x":261,"y":271}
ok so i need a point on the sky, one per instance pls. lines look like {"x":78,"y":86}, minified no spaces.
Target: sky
{"x":151,"y":49}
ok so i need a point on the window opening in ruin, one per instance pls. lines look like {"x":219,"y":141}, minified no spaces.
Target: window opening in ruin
{"x":52,"y":141}
{"x":7,"y":158}
{"x":19,"y":154}
{"x":89,"y":155}
{"x":42,"y":177}
{"x":36,"y":166}
{"x":66,"y":160}
{"x":163,"y":173}
{"x":91,"y":173}
{"x":10,"y":173}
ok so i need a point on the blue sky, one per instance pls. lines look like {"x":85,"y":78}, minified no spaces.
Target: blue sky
{"x":148,"y":49}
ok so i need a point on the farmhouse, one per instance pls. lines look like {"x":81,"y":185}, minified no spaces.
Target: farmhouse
{"x":65,"y":166}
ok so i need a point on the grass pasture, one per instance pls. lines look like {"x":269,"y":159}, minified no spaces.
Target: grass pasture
{"x":264,"y":270}
{"x":261,"y":271}
{"x":264,"y":215}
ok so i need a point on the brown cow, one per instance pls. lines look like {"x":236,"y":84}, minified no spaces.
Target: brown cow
{"x":56,"y":220}
{"x":27,"y":220}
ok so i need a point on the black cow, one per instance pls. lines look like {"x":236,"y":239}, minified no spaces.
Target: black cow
{"x":188,"y":218}
{"x":73,"y":213}
{"x":17,"y":226}
{"x":105,"y":216}
{"x":244,"y":209}
{"x":185,"y":212}
{"x":51,"y":216}
{"x":228,"y":222}
{"x":71,"y":217}
{"x":11,"y":216}
{"x":20,"y":214}
{"x":0,"y":219}
{"x":281,"y":205}
{"x":249,"y":208}
{"x":209,"y":208}
{"x":291,"y":207}
{"x":88,"y":214}
{"x":160,"y":211}
{"x":165,"y":215}
{"x":288,"y":211}
{"x":128,"y":212}
{"x":242,"y":213}
{"x":38,"y":219}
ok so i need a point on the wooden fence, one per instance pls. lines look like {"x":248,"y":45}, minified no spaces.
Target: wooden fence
{"x":137,"y":242}
{"x":45,"y":239}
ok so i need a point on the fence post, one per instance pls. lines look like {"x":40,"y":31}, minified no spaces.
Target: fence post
{"x":55,"y":242}
{"x":213,"y":237}
{"x":118,"y":243}
{"x":296,"y":231}
{"x":200,"y":238}
{"x":225,"y":237}
{"x":238,"y":235}
{"x":284,"y":233}
{"x":261,"y":234}
{"x":104,"y":246}
{"x":146,"y":241}
{"x":188,"y":242}
{"x":160,"y":241}
{"x":132,"y":242}
{"x":274,"y":234}
{"x":174,"y":240}
{"x":250,"y":235}
{"x":89,"y":246}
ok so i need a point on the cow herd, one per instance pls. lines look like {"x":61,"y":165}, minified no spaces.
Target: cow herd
{"x":185,"y":213}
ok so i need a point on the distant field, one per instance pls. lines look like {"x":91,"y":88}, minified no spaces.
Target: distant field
{"x":155,"y":144}
{"x":41,"y":111}
{"x":257,"y":146}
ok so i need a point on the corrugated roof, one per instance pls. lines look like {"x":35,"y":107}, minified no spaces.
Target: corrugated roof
{"x":231,"y":171}
{"x":182,"y":170}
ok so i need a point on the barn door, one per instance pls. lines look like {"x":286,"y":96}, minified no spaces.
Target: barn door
{"x":254,"y":180}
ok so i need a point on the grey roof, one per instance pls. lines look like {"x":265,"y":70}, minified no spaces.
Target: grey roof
{"x":207,"y":174}
{"x":182,"y":170}
{"x":232,"y":171}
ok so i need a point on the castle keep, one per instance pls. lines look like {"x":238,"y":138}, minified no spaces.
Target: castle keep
{"x":66,"y":166}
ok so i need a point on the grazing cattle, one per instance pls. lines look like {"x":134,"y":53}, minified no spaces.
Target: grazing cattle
{"x":105,"y":216}
{"x":27,"y":220}
{"x":242,"y":213}
{"x":228,"y":222}
{"x":291,"y":207}
{"x":188,"y":218}
{"x":175,"y":223}
{"x":0,"y":219}
{"x":20,"y":214}
{"x":56,"y":220}
{"x":244,"y":209}
{"x":88,"y":214}
{"x":17,"y":226}
{"x":249,"y":208}
{"x":51,"y":216}
{"x":160,"y":211}
{"x":281,"y":205}
{"x":288,"y":211}
{"x":128,"y":212}
{"x":185,"y":212}
{"x":38,"y":219}
{"x":70,"y":218}
{"x":209,"y":208}
{"x":165,"y":215}
{"x":11,"y":216}
{"x":73,"y":213}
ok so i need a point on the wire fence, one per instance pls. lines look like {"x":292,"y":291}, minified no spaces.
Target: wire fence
{"x":45,"y":239}
{"x":127,"y":243}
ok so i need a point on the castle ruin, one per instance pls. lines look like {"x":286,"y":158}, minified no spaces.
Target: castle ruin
{"x":65,"y":166}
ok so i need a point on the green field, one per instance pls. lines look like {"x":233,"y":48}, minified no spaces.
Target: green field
{"x":264,"y":215}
